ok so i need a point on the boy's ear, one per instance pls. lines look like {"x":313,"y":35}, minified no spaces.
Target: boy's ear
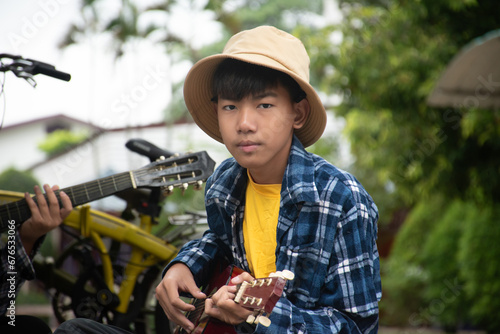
{"x":214,"y":107}
{"x":302,"y":110}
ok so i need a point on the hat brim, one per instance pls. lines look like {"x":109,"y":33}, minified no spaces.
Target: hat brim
{"x":198,"y":95}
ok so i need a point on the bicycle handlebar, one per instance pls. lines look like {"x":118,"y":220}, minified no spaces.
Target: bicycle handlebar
{"x":48,"y":70}
{"x":27,"y":68}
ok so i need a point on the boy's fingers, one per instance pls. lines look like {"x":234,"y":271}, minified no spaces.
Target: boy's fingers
{"x":196,"y":293}
{"x":31,"y":204}
{"x":41,"y":202}
{"x":52,"y":198}
{"x":67,"y":206}
{"x":211,"y":309}
{"x":243,"y":277}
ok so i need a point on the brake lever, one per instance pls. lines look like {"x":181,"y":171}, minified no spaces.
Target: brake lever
{"x":23,"y":69}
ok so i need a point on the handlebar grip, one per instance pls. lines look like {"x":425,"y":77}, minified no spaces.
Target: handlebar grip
{"x":49,"y":70}
{"x":147,"y":149}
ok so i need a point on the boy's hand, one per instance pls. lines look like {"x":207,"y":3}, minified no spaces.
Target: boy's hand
{"x":222,"y":305}
{"x":44,"y":216}
{"x":178,"y":278}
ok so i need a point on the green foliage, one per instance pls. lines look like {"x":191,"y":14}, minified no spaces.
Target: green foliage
{"x":443,"y":269}
{"x":478,"y":254}
{"x":391,"y":55}
{"x":16,"y":180}
{"x":181,"y":201}
{"x":129,"y":21}
{"x":61,"y":140}
{"x":327,"y":147}
{"x":404,"y":274}
{"x":447,"y":303}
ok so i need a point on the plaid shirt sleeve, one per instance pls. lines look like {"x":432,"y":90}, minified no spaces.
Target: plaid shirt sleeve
{"x":22,"y":270}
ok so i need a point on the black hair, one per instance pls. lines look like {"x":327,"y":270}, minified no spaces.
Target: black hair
{"x":235,"y":80}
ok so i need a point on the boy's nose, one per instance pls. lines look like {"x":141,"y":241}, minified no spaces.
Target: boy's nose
{"x":246,"y":120}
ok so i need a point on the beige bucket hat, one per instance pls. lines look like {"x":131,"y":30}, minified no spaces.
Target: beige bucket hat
{"x":266,"y":46}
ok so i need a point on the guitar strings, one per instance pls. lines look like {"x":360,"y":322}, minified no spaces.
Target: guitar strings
{"x":119,"y":182}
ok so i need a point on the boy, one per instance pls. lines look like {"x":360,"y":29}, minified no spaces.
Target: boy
{"x":273,"y":206}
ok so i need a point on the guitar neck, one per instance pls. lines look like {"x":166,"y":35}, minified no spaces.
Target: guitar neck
{"x":80,"y":194}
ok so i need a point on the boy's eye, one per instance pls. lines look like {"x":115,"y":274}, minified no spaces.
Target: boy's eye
{"x":229,"y":107}
{"x":265,"y":105}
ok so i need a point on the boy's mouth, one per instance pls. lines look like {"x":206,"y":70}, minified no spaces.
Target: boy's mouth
{"x":247,"y":146}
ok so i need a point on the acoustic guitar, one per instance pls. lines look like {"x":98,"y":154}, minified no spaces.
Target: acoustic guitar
{"x":178,"y":171}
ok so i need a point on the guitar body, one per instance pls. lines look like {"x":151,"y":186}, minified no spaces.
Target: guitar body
{"x":260,"y":296}
{"x":212,"y":326}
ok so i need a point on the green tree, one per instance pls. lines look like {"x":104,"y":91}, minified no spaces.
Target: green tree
{"x":427,"y":159}
{"x":389,"y":59}
{"x":405,"y":274}
{"x":61,"y":140}
{"x":15,"y":180}
{"x":478,"y":256}
{"x":447,"y":303}
{"x":130,"y":21}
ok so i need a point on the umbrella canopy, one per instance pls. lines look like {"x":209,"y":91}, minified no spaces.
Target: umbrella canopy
{"x":472,"y":78}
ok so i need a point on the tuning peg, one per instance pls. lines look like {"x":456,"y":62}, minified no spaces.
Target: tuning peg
{"x":263,"y":320}
{"x":168,"y":190}
{"x":285,"y":274}
{"x":198,"y":185}
{"x":251,"y":319}
{"x":260,"y":319}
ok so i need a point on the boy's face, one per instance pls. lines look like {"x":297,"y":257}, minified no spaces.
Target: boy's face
{"x":258,"y":131}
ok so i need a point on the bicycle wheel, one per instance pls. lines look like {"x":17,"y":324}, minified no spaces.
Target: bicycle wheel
{"x":149,"y":316}
{"x":89,"y":296}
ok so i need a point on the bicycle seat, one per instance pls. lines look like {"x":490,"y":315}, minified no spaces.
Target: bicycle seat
{"x":147,"y":149}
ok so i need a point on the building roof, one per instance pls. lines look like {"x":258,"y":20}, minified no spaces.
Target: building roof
{"x":57,"y":117}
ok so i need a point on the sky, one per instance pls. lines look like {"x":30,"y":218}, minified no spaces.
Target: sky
{"x":108,"y":92}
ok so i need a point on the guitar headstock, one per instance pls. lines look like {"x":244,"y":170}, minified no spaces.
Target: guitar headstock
{"x":262,"y":294}
{"x":178,"y":171}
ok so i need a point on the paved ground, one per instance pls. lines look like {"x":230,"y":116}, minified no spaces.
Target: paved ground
{"x":419,"y":330}
{"x":46,"y":311}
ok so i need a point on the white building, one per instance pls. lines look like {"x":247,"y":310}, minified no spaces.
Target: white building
{"x":102,"y":155}
{"x":19,"y":142}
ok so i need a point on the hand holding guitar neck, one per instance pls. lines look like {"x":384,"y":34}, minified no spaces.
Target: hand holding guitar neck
{"x":224,"y":304}
{"x":46,"y":215}
{"x":259,"y":296}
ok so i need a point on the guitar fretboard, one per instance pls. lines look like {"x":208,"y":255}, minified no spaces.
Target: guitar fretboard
{"x":83,"y":193}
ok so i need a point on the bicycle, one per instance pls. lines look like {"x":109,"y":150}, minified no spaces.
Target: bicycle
{"x":93,"y":278}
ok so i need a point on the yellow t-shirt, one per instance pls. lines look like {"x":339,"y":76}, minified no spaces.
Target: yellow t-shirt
{"x":259,"y":226}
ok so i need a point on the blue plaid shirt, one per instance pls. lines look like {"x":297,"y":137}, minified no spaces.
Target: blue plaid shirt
{"x":327,"y":230}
